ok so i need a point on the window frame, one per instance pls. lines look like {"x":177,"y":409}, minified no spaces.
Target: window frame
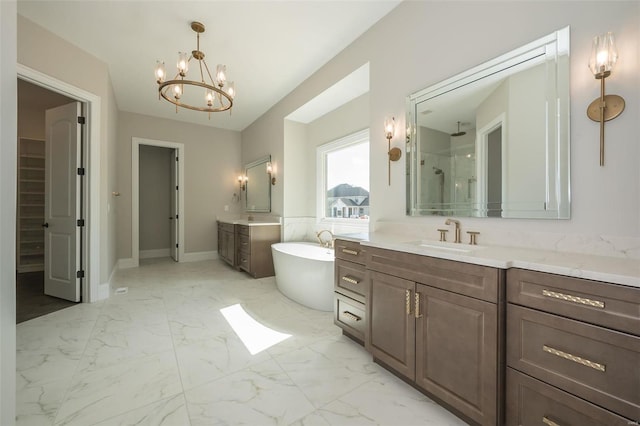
{"x":322,"y":151}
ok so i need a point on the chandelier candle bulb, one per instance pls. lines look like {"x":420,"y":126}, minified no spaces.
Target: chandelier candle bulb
{"x":160,"y":72}
{"x":231,"y":89}
{"x":221,"y":74}
{"x":183,"y":63}
{"x":177,"y":91}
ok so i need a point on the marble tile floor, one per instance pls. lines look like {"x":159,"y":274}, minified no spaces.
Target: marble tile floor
{"x":163,"y":354}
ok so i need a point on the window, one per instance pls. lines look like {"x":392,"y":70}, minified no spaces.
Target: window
{"x":343,"y":179}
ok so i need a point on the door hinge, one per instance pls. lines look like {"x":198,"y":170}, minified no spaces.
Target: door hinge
{"x":176,"y":158}
{"x":81,"y":120}
{"x":176,"y":246}
{"x":80,"y":274}
{"x":177,"y":216}
{"x":80,"y":222}
{"x":80,"y":171}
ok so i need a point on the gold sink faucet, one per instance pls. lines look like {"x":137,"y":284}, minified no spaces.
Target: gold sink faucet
{"x":457,"y":224}
{"x":327,"y":244}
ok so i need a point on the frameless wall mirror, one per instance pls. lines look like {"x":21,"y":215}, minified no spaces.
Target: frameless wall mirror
{"x":494,"y":141}
{"x":258,"y":186}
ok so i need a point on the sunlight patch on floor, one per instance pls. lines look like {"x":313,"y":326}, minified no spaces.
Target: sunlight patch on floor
{"x":255,"y":336}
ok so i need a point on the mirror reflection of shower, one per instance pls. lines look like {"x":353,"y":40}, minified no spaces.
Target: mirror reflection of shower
{"x":440,"y":174}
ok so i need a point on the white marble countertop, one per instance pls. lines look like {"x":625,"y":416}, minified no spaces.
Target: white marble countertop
{"x":600,"y":268}
{"x":248,"y":222}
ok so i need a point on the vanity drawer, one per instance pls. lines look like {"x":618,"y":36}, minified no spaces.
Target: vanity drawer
{"x":243,"y":230}
{"x":610,"y":305}
{"x":480,"y":282}
{"x":591,"y":362}
{"x":531,"y":402}
{"x":244,"y":243}
{"x":350,"y":279}
{"x":227,"y":227}
{"x":350,"y":316}
{"x":244,"y":261}
{"x":349,"y":250}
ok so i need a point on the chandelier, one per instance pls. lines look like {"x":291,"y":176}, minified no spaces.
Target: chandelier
{"x":207,"y":94}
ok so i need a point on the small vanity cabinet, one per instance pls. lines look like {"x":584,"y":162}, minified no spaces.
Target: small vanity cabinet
{"x":438,"y":323}
{"x":253,"y":246}
{"x":226,"y":243}
{"x":248,"y":247}
{"x":573,"y":351}
{"x":351,"y":290}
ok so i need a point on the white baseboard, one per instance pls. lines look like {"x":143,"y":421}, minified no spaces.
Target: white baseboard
{"x":200,"y":255}
{"x":149,"y":254}
{"x":103,"y":290}
{"x":127,"y":263}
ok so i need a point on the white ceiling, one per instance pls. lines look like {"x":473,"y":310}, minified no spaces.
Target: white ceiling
{"x":269,"y":47}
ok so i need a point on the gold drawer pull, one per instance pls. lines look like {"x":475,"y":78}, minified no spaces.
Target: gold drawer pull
{"x":407,"y":301}
{"x":574,"y":358}
{"x":350,"y":280}
{"x":351,"y":316}
{"x":574,"y":299}
{"x":549,"y":422}
{"x":349,"y":251}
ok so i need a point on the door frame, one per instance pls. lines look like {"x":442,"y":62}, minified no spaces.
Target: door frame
{"x":91,"y":290}
{"x":135,"y":194}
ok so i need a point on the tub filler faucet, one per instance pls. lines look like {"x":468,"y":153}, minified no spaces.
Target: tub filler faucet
{"x":328,"y":243}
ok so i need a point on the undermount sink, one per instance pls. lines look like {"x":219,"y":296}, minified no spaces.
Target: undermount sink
{"x":444,"y":246}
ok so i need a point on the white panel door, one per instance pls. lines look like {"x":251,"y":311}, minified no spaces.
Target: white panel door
{"x":174,"y":204}
{"x":61,"y":202}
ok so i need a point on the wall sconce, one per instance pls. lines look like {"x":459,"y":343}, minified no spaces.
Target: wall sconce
{"x":603,"y":58}
{"x":271,"y":173}
{"x":395,"y":153}
{"x":242,"y":182}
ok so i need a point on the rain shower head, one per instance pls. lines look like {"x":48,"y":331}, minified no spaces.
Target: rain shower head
{"x":437,"y":170}
{"x":458,"y":133}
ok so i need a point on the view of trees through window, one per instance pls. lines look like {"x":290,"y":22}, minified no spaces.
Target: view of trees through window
{"x":347,"y":182}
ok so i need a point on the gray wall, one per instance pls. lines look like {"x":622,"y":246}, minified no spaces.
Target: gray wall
{"x":155,"y":197}
{"x":211,"y":168}
{"x":8,"y":134}
{"x":49,"y":54}
{"x":485,"y":30}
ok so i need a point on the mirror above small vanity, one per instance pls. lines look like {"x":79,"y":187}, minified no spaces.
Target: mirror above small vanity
{"x":493,"y":141}
{"x":257,"y":185}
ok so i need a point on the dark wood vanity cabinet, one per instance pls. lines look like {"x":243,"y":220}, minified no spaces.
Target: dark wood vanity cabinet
{"x":438,"y":324}
{"x":573,"y":351}
{"x":248,"y":247}
{"x":226,"y":243}
{"x":254,"y":249}
{"x":351,"y":290}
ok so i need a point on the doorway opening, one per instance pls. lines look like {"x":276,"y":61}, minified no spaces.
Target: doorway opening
{"x":491,"y":184}
{"x":50,"y":243}
{"x":157,"y":219}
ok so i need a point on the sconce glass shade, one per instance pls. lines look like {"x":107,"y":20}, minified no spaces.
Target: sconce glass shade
{"x":603,"y":55}
{"x":389,"y":127}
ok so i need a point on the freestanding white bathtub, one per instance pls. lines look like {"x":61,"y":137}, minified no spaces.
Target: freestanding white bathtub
{"x":304,"y":273}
